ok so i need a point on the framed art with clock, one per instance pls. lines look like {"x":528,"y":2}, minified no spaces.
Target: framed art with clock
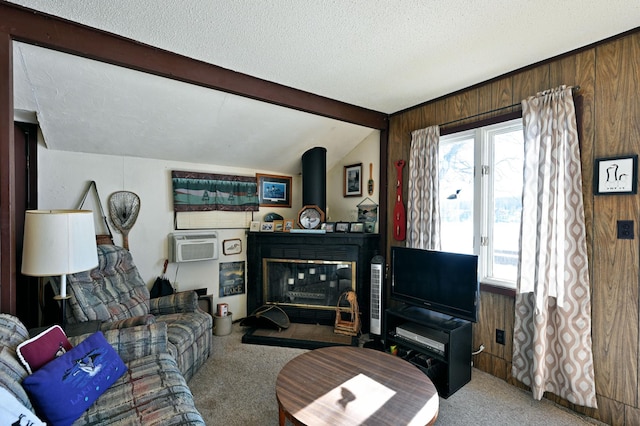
{"x":310,"y":217}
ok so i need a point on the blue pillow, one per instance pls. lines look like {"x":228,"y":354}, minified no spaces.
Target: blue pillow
{"x":64,"y":388}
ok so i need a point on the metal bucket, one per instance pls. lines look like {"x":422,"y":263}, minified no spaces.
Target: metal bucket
{"x":222,"y":325}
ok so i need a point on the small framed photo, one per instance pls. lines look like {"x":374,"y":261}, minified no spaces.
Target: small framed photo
{"x":352,"y":185}
{"x":278,"y":225}
{"x":273,"y":190}
{"x":616,"y":175}
{"x":342,"y":227}
{"x":288,"y":225}
{"x":254,"y":226}
{"x":356,"y":227}
{"x":232,"y":246}
{"x":266,"y":227}
{"x":329,"y":227}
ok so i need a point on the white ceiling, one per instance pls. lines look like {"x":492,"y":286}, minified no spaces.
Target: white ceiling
{"x":381,"y":55}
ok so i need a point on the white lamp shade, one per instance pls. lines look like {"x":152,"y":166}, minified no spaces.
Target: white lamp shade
{"x":58,"y":242}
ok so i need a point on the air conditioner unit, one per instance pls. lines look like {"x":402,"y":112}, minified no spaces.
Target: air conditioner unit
{"x":193,"y":246}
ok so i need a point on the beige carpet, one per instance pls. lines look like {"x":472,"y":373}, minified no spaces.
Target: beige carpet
{"x":236,"y":386}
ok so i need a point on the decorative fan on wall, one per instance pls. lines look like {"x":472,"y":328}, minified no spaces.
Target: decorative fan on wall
{"x":123,"y":209}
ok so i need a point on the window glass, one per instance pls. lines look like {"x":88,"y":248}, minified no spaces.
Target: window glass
{"x":506,"y":183}
{"x":456,"y":193}
{"x":481,"y":197}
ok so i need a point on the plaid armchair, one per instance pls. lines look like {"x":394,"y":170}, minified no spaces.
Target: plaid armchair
{"x":115,"y":294}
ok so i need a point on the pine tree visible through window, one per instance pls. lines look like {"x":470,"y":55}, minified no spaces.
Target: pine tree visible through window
{"x":481,"y":197}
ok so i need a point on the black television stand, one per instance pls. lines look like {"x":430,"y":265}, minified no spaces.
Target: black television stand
{"x":437,"y":344}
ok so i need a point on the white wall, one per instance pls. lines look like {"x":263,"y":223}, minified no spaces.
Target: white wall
{"x":63,"y":177}
{"x":345,"y":209}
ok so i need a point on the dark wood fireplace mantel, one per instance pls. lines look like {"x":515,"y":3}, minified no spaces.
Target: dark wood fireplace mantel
{"x":352,"y":247}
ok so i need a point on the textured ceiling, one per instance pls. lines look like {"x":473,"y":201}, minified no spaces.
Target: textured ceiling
{"x":88,"y":106}
{"x":382,"y":55}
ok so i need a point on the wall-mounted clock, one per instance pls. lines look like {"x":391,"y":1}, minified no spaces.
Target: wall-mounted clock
{"x":310,"y":217}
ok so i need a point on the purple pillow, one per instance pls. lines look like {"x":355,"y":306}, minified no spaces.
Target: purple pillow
{"x":64,"y":388}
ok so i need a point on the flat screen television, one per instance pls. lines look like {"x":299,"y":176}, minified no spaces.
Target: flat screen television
{"x":436,"y":280}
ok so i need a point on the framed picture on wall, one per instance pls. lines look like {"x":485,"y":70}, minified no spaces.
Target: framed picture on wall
{"x":352,"y":185}
{"x":616,"y":175}
{"x":232,"y":246}
{"x":273,"y":190}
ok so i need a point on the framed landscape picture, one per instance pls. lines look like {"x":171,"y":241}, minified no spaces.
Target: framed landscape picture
{"x":273,"y":190}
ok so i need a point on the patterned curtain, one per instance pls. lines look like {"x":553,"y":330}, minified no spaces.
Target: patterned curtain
{"x":423,"y":207}
{"x":552,"y":337}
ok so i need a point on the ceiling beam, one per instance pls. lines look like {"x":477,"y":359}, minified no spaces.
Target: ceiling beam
{"x":44,"y":30}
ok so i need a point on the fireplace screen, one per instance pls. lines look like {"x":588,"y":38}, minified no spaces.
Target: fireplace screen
{"x":311,"y":283}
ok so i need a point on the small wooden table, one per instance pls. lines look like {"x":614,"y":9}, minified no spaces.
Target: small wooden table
{"x":343,"y":385}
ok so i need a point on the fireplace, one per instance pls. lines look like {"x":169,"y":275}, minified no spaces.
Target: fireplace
{"x":305,"y":274}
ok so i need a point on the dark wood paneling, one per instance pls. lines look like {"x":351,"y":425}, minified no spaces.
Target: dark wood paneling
{"x":398,"y":150}
{"x":460,"y":106}
{"x":383,"y":182}
{"x":496,"y":95}
{"x":631,"y":415}
{"x":615,"y":271}
{"x":491,"y":316}
{"x":529,"y":82}
{"x":611,"y":412}
{"x":427,"y":116}
{"x":394,"y":151}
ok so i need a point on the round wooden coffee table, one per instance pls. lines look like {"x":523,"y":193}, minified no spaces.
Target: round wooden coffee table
{"x":344,"y":385}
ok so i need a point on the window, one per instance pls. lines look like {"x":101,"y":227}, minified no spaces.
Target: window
{"x":481,"y":197}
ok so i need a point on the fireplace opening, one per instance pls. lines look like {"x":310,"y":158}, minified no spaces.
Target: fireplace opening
{"x":309,"y":284}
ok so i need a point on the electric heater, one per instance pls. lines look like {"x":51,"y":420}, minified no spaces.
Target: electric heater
{"x":377,"y":277}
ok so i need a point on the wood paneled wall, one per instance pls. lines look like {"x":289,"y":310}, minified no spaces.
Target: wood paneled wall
{"x":608,"y":104}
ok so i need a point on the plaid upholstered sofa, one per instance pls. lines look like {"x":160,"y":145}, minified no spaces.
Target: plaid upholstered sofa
{"x":115,"y":294}
{"x":152,"y":391}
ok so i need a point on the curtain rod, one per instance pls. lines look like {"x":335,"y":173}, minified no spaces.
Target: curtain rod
{"x":492,"y":111}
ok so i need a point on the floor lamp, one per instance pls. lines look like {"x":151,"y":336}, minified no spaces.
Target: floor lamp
{"x":59,"y":242}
